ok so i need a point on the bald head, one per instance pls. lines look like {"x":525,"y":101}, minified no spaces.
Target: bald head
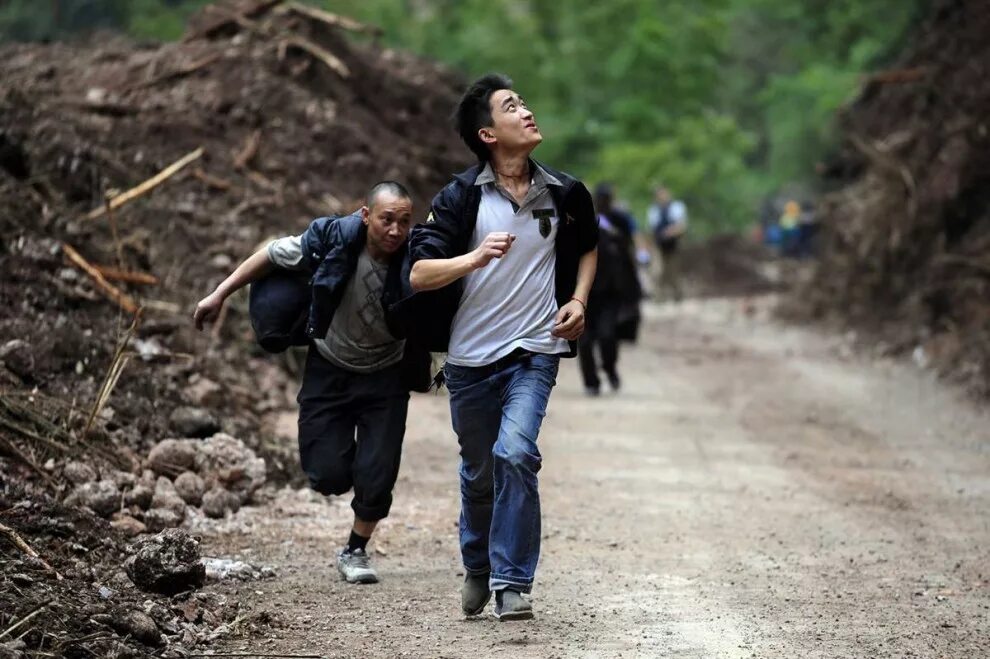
{"x":392,"y":189}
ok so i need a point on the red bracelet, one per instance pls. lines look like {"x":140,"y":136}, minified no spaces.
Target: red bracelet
{"x":583,"y":305}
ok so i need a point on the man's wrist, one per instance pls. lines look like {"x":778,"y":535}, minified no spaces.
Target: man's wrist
{"x":584,"y":305}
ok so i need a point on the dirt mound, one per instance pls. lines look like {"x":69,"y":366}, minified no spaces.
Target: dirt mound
{"x":906,"y":234}
{"x":267,"y":115}
{"x":729,"y":265}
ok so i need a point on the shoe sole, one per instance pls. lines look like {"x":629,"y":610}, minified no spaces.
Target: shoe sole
{"x":514,"y":615}
{"x":367,"y":579}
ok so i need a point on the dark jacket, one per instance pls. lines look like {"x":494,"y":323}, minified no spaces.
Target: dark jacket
{"x":331,"y":247}
{"x":447,"y":233}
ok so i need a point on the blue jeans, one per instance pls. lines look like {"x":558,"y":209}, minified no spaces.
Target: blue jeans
{"x":496,"y":414}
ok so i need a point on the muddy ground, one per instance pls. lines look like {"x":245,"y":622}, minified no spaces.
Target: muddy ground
{"x":755,"y":491}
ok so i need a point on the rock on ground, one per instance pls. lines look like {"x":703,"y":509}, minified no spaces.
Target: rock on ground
{"x":226,"y":461}
{"x":167,"y":563}
{"x":193,"y":422}
{"x":172,"y":456}
{"x":102,"y":497}
{"x":190,"y":487}
{"x":218,"y":501}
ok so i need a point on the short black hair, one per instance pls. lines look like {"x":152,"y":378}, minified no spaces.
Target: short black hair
{"x":474,"y":111}
{"x":392,"y":187}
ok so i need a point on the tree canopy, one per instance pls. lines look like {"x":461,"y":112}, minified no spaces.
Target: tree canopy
{"x":724,"y":101}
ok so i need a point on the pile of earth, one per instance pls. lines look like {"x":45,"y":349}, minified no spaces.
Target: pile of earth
{"x":730,"y":265}
{"x":906,"y":232}
{"x":276,"y":114}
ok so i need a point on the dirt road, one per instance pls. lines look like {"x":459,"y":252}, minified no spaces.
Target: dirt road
{"x":755,"y":491}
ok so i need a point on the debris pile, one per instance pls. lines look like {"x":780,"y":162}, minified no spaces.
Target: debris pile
{"x":77,"y":589}
{"x":133,"y":178}
{"x":906,"y":232}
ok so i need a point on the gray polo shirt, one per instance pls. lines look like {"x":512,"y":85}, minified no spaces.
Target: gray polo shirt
{"x":510,"y":303}
{"x":358,"y":339}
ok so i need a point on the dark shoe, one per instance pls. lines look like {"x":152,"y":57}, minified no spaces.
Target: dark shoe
{"x":475,"y":594}
{"x":614,"y":382}
{"x":510,"y":605}
{"x":591,"y":392}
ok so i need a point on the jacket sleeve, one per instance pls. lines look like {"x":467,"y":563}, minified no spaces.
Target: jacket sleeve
{"x":587,"y":221}
{"x":438,"y":237}
{"x":317,"y":241}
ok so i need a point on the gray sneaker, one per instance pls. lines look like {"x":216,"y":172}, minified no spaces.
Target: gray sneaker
{"x":510,"y":605}
{"x":475,"y":594}
{"x":355,"y":567}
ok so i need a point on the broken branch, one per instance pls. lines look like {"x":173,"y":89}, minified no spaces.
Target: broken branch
{"x":127,"y":276}
{"x":177,"y":73}
{"x":123,"y":300}
{"x":248,"y":151}
{"x":147,"y":186}
{"x":214,"y":182}
{"x":334,"y":20}
{"x":27,"y":549}
{"x":320,"y":53}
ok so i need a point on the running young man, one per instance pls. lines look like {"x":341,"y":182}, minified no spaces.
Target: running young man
{"x":508,"y":253}
{"x":352,"y":384}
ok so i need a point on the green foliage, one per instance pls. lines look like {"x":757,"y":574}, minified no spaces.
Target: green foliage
{"x":725,"y":101}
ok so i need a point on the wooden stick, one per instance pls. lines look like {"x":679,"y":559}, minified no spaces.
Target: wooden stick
{"x":178,"y":73}
{"x":127,"y":276}
{"x":31,"y":463}
{"x":334,"y":20}
{"x":320,"y":53}
{"x":226,"y":20}
{"x":123,"y":300}
{"x":248,"y":151}
{"x":213,"y":181}
{"x":113,"y":230}
{"x":27,"y":549}
{"x":147,"y":186}
{"x":25,"y":618}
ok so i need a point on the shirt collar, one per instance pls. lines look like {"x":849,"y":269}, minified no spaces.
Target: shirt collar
{"x":541,"y":177}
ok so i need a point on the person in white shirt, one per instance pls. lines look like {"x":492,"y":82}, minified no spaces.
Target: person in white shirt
{"x":668,"y":221}
{"x":503,"y":265}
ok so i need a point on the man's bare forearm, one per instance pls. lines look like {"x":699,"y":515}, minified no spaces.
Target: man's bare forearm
{"x":587,"y":266}
{"x":252,"y":269}
{"x":431,"y":274}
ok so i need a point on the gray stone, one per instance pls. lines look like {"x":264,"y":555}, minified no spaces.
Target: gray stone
{"x":218,"y":501}
{"x":190,"y":487}
{"x":225,"y":461}
{"x":123,"y":479}
{"x":193,"y":422}
{"x":166,"y":563}
{"x":140,"y":495}
{"x":79,"y":473}
{"x":167,"y":497}
{"x":172,"y":456}
{"x":139,"y":626}
{"x":128,"y":525}
{"x":159,"y":519}
{"x":102,"y":497}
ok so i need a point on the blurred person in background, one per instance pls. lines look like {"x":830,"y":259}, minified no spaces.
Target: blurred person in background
{"x":668,"y":221}
{"x":613,"y":306}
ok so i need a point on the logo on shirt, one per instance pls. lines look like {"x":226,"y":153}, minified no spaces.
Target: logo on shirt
{"x":430,"y":219}
{"x":544,"y":216}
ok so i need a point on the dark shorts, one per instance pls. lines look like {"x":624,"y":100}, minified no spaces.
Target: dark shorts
{"x":351,"y":427}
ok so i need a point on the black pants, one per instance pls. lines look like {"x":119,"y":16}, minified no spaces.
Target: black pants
{"x":350,"y":432}
{"x":600,"y":325}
